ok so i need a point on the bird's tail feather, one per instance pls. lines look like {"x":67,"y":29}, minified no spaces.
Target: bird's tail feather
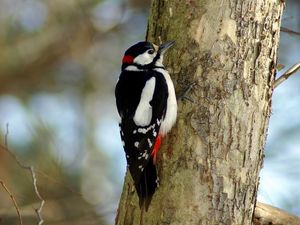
{"x":147,"y":185}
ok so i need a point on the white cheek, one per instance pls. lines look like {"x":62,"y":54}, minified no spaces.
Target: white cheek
{"x":132,"y":68}
{"x":159,"y":62}
{"x":144,"y":59}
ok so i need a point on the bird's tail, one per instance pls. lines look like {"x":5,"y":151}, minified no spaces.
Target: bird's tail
{"x":148,"y":183}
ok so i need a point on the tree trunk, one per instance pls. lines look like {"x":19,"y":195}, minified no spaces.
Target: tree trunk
{"x":209,"y":164}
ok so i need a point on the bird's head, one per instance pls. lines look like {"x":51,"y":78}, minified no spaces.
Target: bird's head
{"x":145,"y":55}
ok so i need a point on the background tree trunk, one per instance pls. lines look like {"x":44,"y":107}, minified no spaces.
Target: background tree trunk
{"x":209,"y":165}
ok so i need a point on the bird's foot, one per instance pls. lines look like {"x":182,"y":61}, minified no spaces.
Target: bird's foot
{"x":183,"y":95}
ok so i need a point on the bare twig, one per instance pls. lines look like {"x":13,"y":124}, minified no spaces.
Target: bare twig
{"x":42,"y":201}
{"x":287,"y":74}
{"x":33,"y":176}
{"x":13,"y":200}
{"x":286,"y":30}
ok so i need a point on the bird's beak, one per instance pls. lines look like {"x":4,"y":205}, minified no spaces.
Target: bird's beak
{"x":165,"y":46}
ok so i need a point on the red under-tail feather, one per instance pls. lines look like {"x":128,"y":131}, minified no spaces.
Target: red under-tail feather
{"x":156,"y":148}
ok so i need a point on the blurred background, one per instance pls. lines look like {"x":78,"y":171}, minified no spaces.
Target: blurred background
{"x":59,"y":62}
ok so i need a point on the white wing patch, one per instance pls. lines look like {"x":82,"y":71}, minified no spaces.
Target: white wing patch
{"x":143,"y":113}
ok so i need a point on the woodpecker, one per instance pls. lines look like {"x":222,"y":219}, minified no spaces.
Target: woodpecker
{"x":147,"y":107}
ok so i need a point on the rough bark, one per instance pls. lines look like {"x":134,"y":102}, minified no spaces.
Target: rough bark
{"x":209,"y":164}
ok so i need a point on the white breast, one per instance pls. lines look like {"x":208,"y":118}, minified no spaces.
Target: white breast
{"x":171,"y":113}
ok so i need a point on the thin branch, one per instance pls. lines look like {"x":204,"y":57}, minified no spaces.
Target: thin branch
{"x":266,"y":214}
{"x":287,"y":74}
{"x":286,"y":30}
{"x":33,"y":176}
{"x":42,"y":201}
{"x":13,"y":200}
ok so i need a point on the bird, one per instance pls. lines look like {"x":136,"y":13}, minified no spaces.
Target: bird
{"x":147,"y":106}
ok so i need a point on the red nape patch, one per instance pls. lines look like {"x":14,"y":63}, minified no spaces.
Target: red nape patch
{"x":127,"y":59}
{"x":156,"y":148}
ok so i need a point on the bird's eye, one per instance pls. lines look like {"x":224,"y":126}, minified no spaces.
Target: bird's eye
{"x":151,"y":51}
